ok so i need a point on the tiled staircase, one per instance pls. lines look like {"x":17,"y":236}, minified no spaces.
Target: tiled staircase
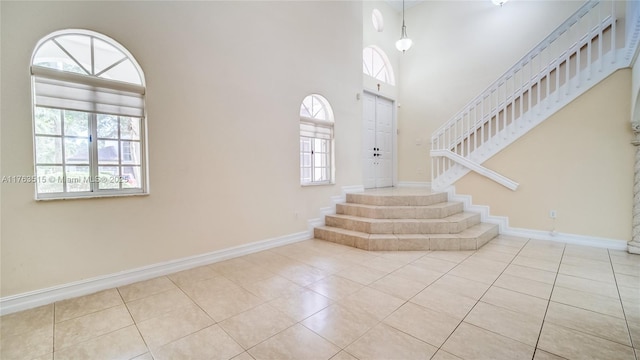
{"x":392,"y":221}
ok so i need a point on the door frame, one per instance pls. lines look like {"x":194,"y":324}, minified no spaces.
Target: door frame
{"x":394,"y":136}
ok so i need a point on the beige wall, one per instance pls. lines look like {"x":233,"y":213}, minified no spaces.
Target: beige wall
{"x":224,"y":86}
{"x":460,"y":48}
{"x":579,"y":162}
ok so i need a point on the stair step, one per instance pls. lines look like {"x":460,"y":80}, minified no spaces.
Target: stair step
{"x":435,"y":211}
{"x":396,"y":200}
{"x":450,"y":225}
{"x":470,"y":239}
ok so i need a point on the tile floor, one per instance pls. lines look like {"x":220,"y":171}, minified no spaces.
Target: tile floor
{"x":512,"y":299}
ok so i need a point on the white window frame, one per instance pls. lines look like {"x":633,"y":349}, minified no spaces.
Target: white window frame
{"x":94,"y":94}
{"x":316,"y":131}
{"x":370,"y":56}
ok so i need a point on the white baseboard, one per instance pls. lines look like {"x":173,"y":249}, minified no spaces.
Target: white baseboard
{"x":28,"y":300}
{"x":505,"y":229}
{"x":567,"y":238}
{"x":32,"y":299}
{"x":414,"y":184}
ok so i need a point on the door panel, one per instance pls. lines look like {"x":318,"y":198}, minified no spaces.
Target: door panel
{"x":384,"y":142}
{"x":377,"y":141}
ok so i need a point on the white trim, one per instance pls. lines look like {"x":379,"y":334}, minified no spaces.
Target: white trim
{"x":574,"y":239}
{"x":352,"y":189}
{"x":414,"y":184}
{"x":28,"y":300}
{"x":505,"y":229}
{"x":32,"y":299}
{"x":471,"y":165}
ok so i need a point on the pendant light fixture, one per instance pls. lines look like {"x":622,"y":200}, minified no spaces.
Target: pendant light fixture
{"x":499,"y":2}
{"x":404,"y":43}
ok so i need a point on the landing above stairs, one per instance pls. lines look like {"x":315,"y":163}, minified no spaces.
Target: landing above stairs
{"x":405,"y":219}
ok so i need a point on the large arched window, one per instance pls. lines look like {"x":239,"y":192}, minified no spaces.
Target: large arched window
{"x":88,"y":117}
{"x":375,"y":63}
{"x":316,"y":141}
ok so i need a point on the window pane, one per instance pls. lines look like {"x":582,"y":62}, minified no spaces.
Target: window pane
{"x":319,"y":159}
{"x":79,"y":47}
{"x":367,"y":61}
{"x":48,"y":150}
{"x":129,"y":128}
{"x":51,"y":55}
{"x":107,"y":126}
{"x":306,"y":107}
{"x":125,"y":71}
{"x":76,"y":123}
{"x":305,"y":159}
{"x":78,"y":178}
{"x":306,"y":174}
{"x":131,"y":177}
{"x":76,"y":151}
{"x":47,"y":121}
{"x":130,"y":152}
{"x":107,"y":152}
{"x":305,"y":145}
{"x":105,"y":55}
{"x":109,"y":177}
{"x":50,"y":179}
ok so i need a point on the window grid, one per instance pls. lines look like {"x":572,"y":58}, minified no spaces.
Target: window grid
{"x":89,"y":126}
{"x":316,"y":141}
{"x":315,"y":160}
{"x":83,"y":169}
{"x":376,"y":64}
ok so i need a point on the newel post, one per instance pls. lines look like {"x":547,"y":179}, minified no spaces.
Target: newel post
{"x":633,"y":246}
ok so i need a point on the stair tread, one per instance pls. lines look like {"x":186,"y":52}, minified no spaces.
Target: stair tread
{"x":434,"y":206}
{"x":451,"y":218}
{"x":391,"y":199}
{"x":472,"y":231}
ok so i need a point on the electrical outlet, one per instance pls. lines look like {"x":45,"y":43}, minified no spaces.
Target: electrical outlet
{"x":553,"y":214}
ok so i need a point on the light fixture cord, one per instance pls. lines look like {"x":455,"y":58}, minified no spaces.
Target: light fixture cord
{"x":402,"y":12}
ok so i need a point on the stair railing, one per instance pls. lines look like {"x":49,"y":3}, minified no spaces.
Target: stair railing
{"x":587,"y":42}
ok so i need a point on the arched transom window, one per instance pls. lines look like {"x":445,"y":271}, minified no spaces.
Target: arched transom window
{"x":88,"y":116}
{"x":316,"y":141}
{"x":375,"y":63}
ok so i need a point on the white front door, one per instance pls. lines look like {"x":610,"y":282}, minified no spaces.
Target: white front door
{"x":378,"y":141}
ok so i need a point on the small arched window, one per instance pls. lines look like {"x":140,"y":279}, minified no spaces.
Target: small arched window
{"x":375,"y":63}
{"x":88,"y":117}
{"x":316,"y":141}
{"x":378,"y":20}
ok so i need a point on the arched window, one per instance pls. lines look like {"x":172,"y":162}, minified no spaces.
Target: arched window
{"x":316,"y":141}
{"x":378,"y":20}
{"x":88,"y":117}
{"x":375,"y":63}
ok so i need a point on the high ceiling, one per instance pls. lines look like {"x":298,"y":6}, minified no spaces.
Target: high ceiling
{"x":397,"y":4}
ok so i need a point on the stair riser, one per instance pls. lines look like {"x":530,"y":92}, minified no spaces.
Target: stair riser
{"x":398,"y":200}
{"x":408,"y":242}
{"x":400,"y":213}
{"x":403,"y":227}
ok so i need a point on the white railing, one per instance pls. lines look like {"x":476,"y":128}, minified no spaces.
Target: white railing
{"x":579,"y":53}
{"x":502,"y":180}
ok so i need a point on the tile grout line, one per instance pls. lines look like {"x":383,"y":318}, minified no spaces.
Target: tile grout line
{"x":624,"y":313}
{"x":134,"y":323}
{"x":564,"y":248}
{"x":215,"y":322}
{"x":382,"y":320}
{"x":447,"y":272}
{"x":481,"y":296}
